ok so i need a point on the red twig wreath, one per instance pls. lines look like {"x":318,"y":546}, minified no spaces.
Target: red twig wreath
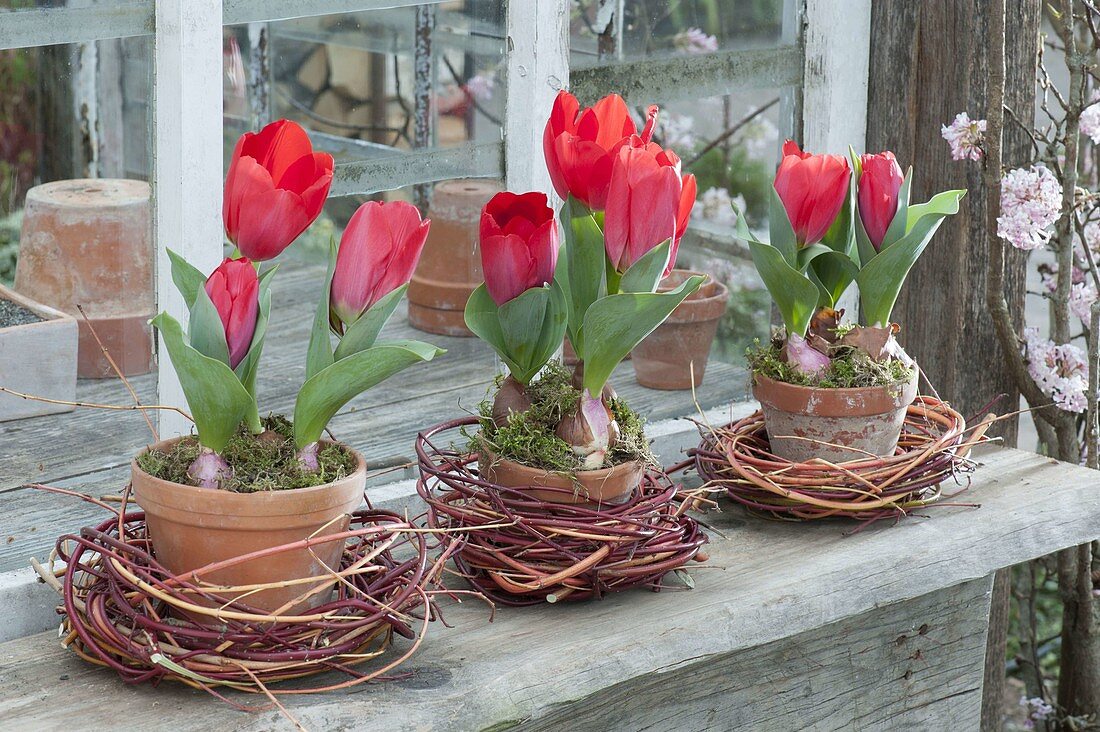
{"x":519,"y":550}
{"x":933,"y":447}
{"x":123,"y":610}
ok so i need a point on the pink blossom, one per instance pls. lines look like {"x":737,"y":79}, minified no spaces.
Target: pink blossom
{"x":1059,"y":370}
{"x":1090,"y":120}
{"x":481,"y":87}
{"x":694,"y":41}
{"x":1031,"y":201}
{"x":1081,"y":298}
{"x":964,"y":135}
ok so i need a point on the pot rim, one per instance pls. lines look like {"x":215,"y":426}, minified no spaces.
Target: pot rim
{"x":256,"y":501}
{"x":860,"y":401}
{"x":596,"y":474}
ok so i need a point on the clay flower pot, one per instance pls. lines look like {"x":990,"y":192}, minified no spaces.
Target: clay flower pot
{"x":806,"y":422}
{"x":608,"y":485}
{"x":450,"y":265}
{"x":38,"y":347}
{"x":88,"y":242}
{"x":670,"y":356}
{"x":191,"y":527}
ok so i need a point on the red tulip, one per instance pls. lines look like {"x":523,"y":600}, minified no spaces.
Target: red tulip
{"x":519,"y":244}
{"x":235,"y":291}
{"x":378,"y":253}
{"x":647,"y":202}
{"x":878,"y":194}
{"x":580,"y":146}
{"x":813,"y":189}
{"x":275,"y":189}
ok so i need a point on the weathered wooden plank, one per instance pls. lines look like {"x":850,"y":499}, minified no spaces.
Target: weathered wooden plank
{"x":908,"y":666}
{"x":85,"y":22}
{"x":401,"y":169}
{"x":942,"y":309}
{"x":679,"y":78}
{"x":769,"y":581}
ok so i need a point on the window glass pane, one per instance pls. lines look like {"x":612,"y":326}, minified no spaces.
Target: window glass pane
{"x":75,"y":234}
{"x":671,"y":27}
{"x":374,"y":83}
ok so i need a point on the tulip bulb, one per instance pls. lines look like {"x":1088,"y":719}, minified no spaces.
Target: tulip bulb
{"x":803,"y":357}
{"x":590,"y":430}
{"x":209,"y":469}
{"x":511,"y":398}
{"x":307,"y":457}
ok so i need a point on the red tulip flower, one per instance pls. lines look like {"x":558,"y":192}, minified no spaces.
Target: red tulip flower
{"x":378,"y":253}
{"x":275,"y":189}
{"x":580,"y":146}
{"x":813,"y":189}
{"x":519,"y":244}
{"x":878,"y":194}
{"x":647,"y":201}
{"x":234,"y":289}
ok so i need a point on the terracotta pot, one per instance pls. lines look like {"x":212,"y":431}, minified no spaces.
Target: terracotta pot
{"x":88,"y":242}
{"x":37,"y":358}
{"x":450,"y":264}
{"x":834,"y":424}
{"x":670,"y":356}
{"x":608,"y":485}
{"x":191,"y":527}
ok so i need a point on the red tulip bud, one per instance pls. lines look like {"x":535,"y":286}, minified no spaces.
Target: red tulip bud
{"x":647,"y":203}
{"x":275,"y":188}
{"x":879,"y":184}
{"x":519,"y":244}
{"x":378,"y":253}
{"x":813,"y":189}
{"x":234,"y":289}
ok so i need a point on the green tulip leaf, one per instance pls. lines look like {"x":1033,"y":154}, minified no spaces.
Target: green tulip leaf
{"x":794,"y":293}
{"x":205,"y":329}
{"x":319,"y":355}
{"x":806,"y":255}
{"x":841,"y":235}
{"x":362,"y":334}
{"x":187,"y":278}
{"x":217,"y":399}
{"x":783,"y":238}
{"x":615,"y":324}
{"x":525,"y":331}
{"x":880,"y":280}
{"x":323,"y":394}
{"x":832,"y":272}
{"x":582,"y":271}
{"x":645,"y":274}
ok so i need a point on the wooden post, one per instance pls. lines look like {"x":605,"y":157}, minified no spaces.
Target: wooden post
{"x":928,"y":63}
{"x":187,"y":161}
{"x":919,"y":81}
{"x":834,"y":90}
{"x":538,"y":66}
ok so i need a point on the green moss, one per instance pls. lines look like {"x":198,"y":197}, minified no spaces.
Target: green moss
{"x":850,"y":368}
{"x":529,"y":438}
{"x":267,"y":463}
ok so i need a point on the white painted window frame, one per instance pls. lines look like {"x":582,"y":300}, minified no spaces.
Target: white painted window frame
{"x":830,"y":41}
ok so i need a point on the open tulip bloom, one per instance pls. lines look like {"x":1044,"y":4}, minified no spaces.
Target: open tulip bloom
{"x":217,"y":358}
{"x":833,"y":221}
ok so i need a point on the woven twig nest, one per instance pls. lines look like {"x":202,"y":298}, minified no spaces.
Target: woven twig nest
{"x":933,"y":448}
{"x":519,"y":550}
{"x":122,"y":610}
